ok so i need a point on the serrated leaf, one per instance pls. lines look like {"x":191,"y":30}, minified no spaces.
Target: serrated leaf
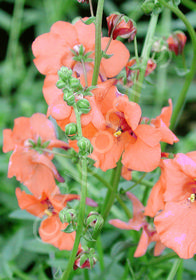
{"x":89,"y":20}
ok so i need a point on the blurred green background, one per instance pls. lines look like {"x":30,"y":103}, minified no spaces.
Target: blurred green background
{"x":22,"y":255}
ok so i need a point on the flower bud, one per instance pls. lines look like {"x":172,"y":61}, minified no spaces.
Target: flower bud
{"x":67,"y":215}
{"x":70,"y":129}
{"x":75,"y":84}
{"x":83,"y":106}
{"x":60,"y":84}
{"x":64,"y":73}
{"x":176,"y":42}
{"x":120,"y":25}
{"x":95,"y":221}
{"x":85,"y":258}
{"x":84,"y":146}
{"x":148,"y":6}
{"x":69,"y":98}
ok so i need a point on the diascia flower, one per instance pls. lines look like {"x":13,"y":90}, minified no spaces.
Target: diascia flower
{"x":29,"y":163}
{"x":139,"y":221}
{"x":177,"y":187}
{"x":176,"y":42}
{"x":53,"y":50}
{"x":49,"y":205}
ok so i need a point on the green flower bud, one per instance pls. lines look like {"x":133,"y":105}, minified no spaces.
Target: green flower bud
{"x":75,"y":84}
{"x":84,"y":146}
{"x":64,"y":73}
{"x":67,"y":215}
{"x":70,"y":129}
{"x":69,"y":98}
{"x":83,"y":106}
{"x":95,"y":221}
{"x":148,"y":6}
{"x":60,"y":84}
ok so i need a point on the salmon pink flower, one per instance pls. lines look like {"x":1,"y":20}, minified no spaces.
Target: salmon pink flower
{"x":138,"y":221}
{"x":53,"y":50}
{"x":176,"y":42}
{"x":124,"y":135}
{"x":174,"y":223}
{"x":49,"y":204}
{"x":28,"y":162}
{"x":162,"y":122}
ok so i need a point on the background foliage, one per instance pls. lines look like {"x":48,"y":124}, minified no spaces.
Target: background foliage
{"x":23,"y":255}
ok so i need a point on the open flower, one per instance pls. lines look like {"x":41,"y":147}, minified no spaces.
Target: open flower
{"x":174,"y":223}
{"x":49,"y":205}
{"x":139,"y":221}
{"x":139,"y":144}
{"x":29,"y":162}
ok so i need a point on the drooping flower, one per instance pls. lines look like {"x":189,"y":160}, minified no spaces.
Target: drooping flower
{"x":139,"y":221}
{"x":176,"y":42}
{"x":174,"y":223}
{"x":29,"y":162}
{"x":49,"y":205}
{"x":120,"y":25}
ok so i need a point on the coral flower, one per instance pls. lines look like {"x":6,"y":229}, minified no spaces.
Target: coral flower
{"x":28,"y":162}
{"x":138,"y":221}
{"x":53,"y":50}
{"x":139,"y":143}
{"x":174,"y":223}
{"x":49,"y":204}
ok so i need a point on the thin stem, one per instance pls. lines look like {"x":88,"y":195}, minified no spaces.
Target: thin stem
{"x":91,"y":8}
{"x":110,"y":197}
{"x":143,"y":182}
{"x":109,"y":187}
{"x":174,"y":269}
{"x":98,"y":54}
{"x":55,"y":153}
{"x":136,"y":183}
{"x":12,"y":48}
{"x":81,"y":214}
{"x":190,"y":75}
{"x":137,"y":87}
{"x":86,"y":276}
{"x":136,"y":50}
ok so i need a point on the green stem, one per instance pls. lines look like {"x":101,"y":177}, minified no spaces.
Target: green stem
{"x":85,"y":74}
{"x":91,"y":8}
{"x":86,"y":276}
{"x":136,"y":50}
{"x":190,"y":75}
{"x":174,"y":269}
{"x":143,"y":182}
{"x":189,"y":4}
{"x":55,"y":153}
{"x":98,"y":29}
{"x":100,"y":253}
{"x":12,"y":48}
{"x":137,"y":87}
{"x":136,"y":183}
{"x":109,"y":187}
{"x":110,"y":197}
{"x":81,"y":214}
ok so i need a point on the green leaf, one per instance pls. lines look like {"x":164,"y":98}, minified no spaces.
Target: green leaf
{"x":70,"y":228}
{"x":89,"y":20}
{"x":13,"y":246}
{"x":5,"y":271}
{"x":38,"y":246}
{"x":106,"y":56}
{"x":22,"y":215}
